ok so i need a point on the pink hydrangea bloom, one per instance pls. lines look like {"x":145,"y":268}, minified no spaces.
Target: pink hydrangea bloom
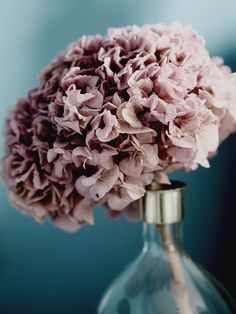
{"x":110,"y":115}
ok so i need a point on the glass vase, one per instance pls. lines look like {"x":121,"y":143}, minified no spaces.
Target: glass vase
{"x":163,"y":279}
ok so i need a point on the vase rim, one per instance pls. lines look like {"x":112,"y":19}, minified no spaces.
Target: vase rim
{"x":174,"y":185}
{"x":163,"y":203}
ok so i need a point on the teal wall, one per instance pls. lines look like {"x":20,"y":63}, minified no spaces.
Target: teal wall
{"x":44,"y":270}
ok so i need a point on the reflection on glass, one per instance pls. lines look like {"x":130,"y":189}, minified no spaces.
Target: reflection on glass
{"x":149,"y":285}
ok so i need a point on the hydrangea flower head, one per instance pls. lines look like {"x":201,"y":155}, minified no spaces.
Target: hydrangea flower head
{"x":110,"y":115}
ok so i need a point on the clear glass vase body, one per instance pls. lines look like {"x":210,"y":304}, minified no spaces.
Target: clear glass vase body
{"x":164,"y":280}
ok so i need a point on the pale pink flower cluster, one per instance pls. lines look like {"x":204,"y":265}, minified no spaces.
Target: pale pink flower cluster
{"x":111,"y":114}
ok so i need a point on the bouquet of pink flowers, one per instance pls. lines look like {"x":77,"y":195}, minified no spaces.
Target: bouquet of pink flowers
{"x":110,"y":115}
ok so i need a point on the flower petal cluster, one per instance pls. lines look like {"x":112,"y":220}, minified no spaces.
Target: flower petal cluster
{"x":110,"y":115}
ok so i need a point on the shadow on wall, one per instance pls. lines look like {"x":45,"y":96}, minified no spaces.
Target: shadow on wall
{"x":224,"y":262}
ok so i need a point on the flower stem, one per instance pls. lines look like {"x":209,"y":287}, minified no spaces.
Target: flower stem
{"x":179,"y":285}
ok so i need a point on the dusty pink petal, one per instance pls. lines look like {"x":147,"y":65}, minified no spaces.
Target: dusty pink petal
{"x":131,"y":166}
{"x":54,"y":152}
{"x":125,"y":128}
{"x":24,"y":176}
{"x":110,"y":129}
{"x":128,"y":113}
{"x":105,"y":157}
{"x":96,"y":186}
{"x":162,"y":177}
{"x":207,"y":141}
{"x":104,"y":126}
{"x":83,"y":212}
{"x":184,"y":141}
{"x":73,"y":77}
{"x":118,"y":201}
{"x":150,"y":155}
{"x":135,"y":189}
{"x":36,"y":210}
{"x":229,"y":126}
{"x":109,"y":178}
{"x":181,"y":154}
{"x":67,"y":223}
{"x":39,"y":181}
{"x":123,"y":76}
{"x":94,"y":102}
{"x":162,"y":111}
{"x":89,"y":181}
{"x":173,"y":82}
{"x":140,"y":83}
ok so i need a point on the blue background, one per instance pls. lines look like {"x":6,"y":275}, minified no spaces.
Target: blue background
{"x":44,"y":270}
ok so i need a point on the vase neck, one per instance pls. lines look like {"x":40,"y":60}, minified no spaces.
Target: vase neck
{"x":166,"y":236}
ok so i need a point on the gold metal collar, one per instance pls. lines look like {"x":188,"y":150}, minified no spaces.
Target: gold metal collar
{"x":163,"y":203}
